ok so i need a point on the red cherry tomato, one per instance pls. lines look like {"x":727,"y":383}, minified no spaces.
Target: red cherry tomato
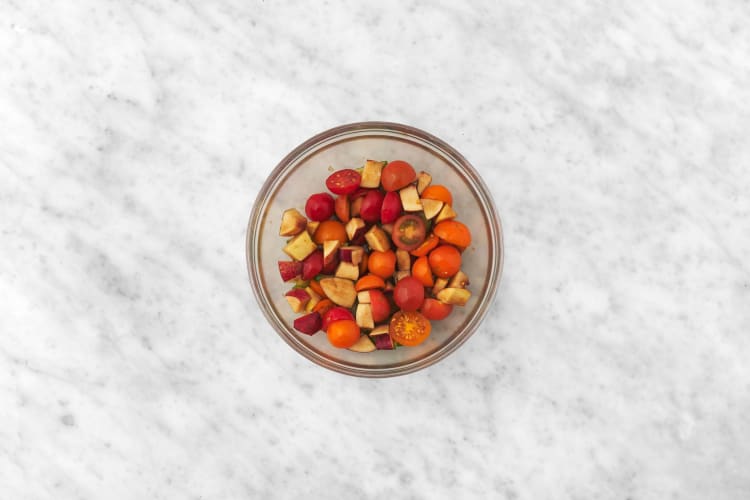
{"x":408,"y":294}
{"x":335,"y":314}
{"x":396,"y":175}
{"x":408,"y":232}
{"x":435,"y":310}
{"x":370,"y":208}
{"x":343,"y":181}
{"x":319,"y":207}
{"x":381,"y":309}
{"x":342,"y":208}
{"x":391,"y":208}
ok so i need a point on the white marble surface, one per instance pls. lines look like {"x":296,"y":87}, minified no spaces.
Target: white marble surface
{"x":614,"y":364}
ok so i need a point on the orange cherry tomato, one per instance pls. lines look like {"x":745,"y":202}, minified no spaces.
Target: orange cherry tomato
{"x":315,"y":285}
{"x":369,"y":282}
{"x":421,"y":270}
{"x":409,"y":328}
{"x":323,"y":306}
{"x":445,"y":261}
{"x":330,"y":230}
{"x":427,"y":245}
{"x":453,"y":232}
{"x":438,"y":192}
{"x":343,"y":333}
{"x":341,"y":207}
{"x":382,"y":264}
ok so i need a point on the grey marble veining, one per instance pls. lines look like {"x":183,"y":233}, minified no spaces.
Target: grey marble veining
{"x":134,"y":362}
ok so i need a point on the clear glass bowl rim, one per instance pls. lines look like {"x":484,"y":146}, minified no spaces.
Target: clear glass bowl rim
{"x":290,"y":161}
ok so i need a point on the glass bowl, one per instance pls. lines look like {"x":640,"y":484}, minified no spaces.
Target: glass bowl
{"x":304,"y":171}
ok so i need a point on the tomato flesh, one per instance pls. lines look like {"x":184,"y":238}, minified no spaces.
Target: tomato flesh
{"x":409,"y":328}
{"x":343,"y":181}
{"x":408,"y":232}
{"x":408,"y":294}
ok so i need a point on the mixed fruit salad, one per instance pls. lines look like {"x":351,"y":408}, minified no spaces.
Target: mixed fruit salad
{"x":374,"y":265}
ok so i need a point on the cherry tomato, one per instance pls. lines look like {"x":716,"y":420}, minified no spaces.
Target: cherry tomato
{"x":408,"y":232}
{"x":435,"y":310}
{"x":396,"y":175}
{"x":421,"y":271}
{"x":319,"y":207}
{"x":330,"y":230}
{"x":445,"y":261}
{"x":342,"y":207}
{"x":453,"y":232}
{"x":438,"y":192}
{"x":343,"y":333}
{"x":371,"y":204}
{"x":381,"y":308}
{"x":409,"y":328}
{"x":343,"y":181}
{"x":426,"y":246}
{"x":382,"y":264}
{"x":391,"y":208}
{"x":335,"y":314}
{"x":408,"y":294}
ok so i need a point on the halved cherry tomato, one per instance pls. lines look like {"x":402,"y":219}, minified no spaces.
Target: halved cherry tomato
{"x":381,"y":308}
{"x":408,"y":232}
{"x":363,"y":265}
{"x":343,"y":333}
{"x":341,"y":207}
{"x":391,"y":208}
{"x":319,"y":206}
{"x":435,"y":310}
{"x":408,"y":294}
{"x":330,"y":230}
{"x":421,"y":271}
{"x":426,"y":246}
{"x":409,"y":328}
{"x":453,"y":232}
{"x":445,"y":261}
{"x":315,"y":285}
{"x":323,"y":306}
{"x":371,"y":205}
{"x":396,"y":175}
{"x":343,"y":181}
{"x":438,"y":192}
{"x":369,"y":282}
{"x":335,"y":314}
{"x":382,"y":263}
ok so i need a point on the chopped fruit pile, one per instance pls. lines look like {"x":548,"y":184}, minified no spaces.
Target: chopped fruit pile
{"x":374,"y":265}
